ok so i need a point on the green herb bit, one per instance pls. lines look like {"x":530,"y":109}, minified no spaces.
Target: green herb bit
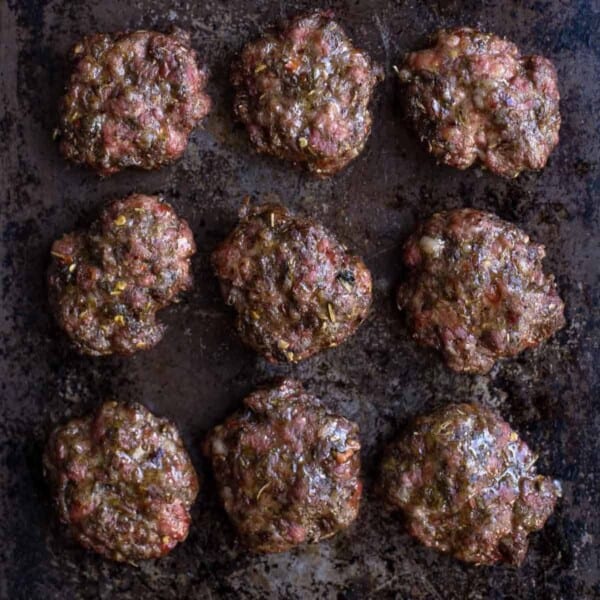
{"x":119,"y":287}
{"x":262,"y":489}
{"x":331,"y":312}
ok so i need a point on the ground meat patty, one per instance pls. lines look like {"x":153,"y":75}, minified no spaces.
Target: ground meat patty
{"x":466,"y":485}
{"x":132,"y":100}
{"x":122,"y":482}
{"x":473,"y":97}
{"x":303,"y":93}
{"x":107,"y":283}
{"x":295,"y":288}
{"x":476,"y":289}
{"x":287,"y":470}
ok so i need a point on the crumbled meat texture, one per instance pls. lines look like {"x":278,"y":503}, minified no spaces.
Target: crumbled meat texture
{"x":472,"y":97}
{"x":122,"y":482}
{"x":287,"y":470}
{"x":476,"y":289}
{"x":106,"y":283}
{"x":303,"y":93}
{"x":132,"y":100}
{"x":295,"y":288}
{"x":466,"y":485}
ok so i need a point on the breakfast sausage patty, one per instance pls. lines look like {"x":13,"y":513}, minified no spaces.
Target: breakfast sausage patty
{"x":132,"y":100}
{"x":476,"y":289}
{"x":287,"y":470}
{"x":106,"y":283}
{"x":303,"y":93}
{"x":295,"y":288}
{"x":472,"y":97}
{"x":122,"y":482}
{"x":466,"y":485}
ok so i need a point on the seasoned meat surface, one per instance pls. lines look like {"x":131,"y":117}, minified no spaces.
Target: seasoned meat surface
{"x":467,"y":485}
{"x":476,"y":290}
{"x":132,"y":100}
{"x":303,"y":93}
{"x":472,"y":97}
{"x":107,"y":283}
{"x":287,"y":470}
{"x":122,"y":482}
{"x":295,"y":288}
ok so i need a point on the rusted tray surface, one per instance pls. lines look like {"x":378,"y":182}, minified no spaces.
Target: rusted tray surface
{"x":200,"y":371}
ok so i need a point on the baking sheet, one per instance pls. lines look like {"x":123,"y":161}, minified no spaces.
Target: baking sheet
{"x":200,"y":371}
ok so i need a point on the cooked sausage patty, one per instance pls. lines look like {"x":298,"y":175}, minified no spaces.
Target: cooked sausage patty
{"x":122,"y":482}
{"x":295,"y":288}
{"x":472,"y":97}
{"x":132,"y":100}
{"x":303,"y":93}
{"x":467,"y":485}
{"x":288,"y":471}
{"x":476,"y":289}
{"x":107,"y":283}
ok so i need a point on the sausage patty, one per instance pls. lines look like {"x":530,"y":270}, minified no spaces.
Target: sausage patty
{"x":303,"y":93}
{"x":122,"y":482}
{"x":107,"y":283}
{"x":476,"y":289}
{"x":288,"y":471}
{"x":295,"y":288}
{"x":473,"y":97}
{"x":132,"y":100}
{"x":467,"y":485}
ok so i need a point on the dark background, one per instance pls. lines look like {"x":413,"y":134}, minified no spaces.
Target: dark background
{"x":200,"y":372}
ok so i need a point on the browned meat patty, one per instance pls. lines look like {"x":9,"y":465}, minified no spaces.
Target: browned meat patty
{"x":132,"y":100}
{"x":476,"y":289}
{"x":106,"y":283}
{"x":295,"y":288}
{"x":288,"y":471}
{"x":122,"y":482}
{"x":303,"y":93}
{"x":467,"y":485}
{"x":472,"y":97}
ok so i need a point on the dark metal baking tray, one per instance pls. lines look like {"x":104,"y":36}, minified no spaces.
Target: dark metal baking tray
{"x":200,"y":372}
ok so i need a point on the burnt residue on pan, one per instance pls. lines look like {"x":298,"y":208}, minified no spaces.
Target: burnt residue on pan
{"x":200,"y":372}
